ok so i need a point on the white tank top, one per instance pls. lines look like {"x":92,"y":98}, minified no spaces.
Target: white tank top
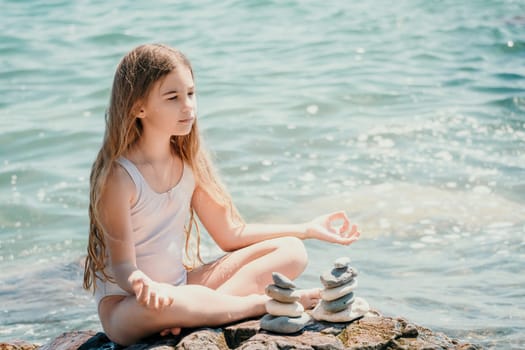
{"x":158,"y":221}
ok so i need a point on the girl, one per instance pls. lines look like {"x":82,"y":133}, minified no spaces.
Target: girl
{"x":150,"y":178}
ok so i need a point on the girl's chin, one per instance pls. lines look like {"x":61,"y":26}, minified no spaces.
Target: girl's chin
{"x":182,"y":131}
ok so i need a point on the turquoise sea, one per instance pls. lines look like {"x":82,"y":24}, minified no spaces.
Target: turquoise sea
{"x":409,"y":115}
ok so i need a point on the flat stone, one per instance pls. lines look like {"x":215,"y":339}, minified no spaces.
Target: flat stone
{"x":338,"y":292}
{"x":284,"y":295}
{"x":282,"y":281}
{"x":338,"y":277}
{"x":276,"y":308}
{"x":342,"y":262}
{"x":339,"y":304}
{"x":359,"y":308}
{"x":283,"y":324}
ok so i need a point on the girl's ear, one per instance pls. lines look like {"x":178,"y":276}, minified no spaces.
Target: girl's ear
{"x":138,"y":110}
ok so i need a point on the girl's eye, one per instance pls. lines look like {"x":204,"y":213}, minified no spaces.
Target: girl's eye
{"x":191,"y":93}
{"x":173,"y":98}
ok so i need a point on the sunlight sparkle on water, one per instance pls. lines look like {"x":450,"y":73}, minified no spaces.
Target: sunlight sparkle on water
{"x":307,"y":177}
{"x":312,"y":109}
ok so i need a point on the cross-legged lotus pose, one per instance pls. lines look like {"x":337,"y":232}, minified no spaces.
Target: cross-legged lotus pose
{"x":149,"y":183}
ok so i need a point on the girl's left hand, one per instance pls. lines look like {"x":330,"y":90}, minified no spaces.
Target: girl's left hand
{"x":150,"y":294}
{"x":324,"y":228}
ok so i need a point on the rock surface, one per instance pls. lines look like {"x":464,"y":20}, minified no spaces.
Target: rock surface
{"x":18,"y":345}
{"x":370,"y":332}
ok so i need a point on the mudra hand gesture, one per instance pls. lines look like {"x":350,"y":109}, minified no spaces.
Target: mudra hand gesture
{"x":334,"y":228}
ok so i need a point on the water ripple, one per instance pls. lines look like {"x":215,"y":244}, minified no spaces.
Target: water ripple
{"x":410,"y":117}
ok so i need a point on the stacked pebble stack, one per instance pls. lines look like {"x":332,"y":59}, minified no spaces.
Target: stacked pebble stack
{"x":284,"y":312}
{"x":338,"y":302}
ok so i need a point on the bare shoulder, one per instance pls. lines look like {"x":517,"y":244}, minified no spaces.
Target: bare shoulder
{"x":119,"y":185}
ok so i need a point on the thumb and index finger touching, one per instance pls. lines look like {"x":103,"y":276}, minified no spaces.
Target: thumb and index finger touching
{"x":339,"y":223}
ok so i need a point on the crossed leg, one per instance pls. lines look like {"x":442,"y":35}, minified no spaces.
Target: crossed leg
{"x":231,"y":288}
{"x":249,"y":270}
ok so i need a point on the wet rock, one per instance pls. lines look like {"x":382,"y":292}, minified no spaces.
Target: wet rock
{"x":18,"y":345}
{"x":238,"y":333}
{"x":304,"y":341}
{"x":71,"y":340}
{"x":391,"y":333}
{"x":372,"y":331}
{"x":207,"y":338}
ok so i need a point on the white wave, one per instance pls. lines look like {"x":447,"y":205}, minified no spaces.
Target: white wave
{"x":408,"y":209}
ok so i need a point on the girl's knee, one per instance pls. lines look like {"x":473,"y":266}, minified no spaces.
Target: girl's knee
{"x":294,"y":250}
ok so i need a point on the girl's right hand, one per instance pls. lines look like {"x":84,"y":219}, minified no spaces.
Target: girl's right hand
{"x":324,"y":229}
{"x":150,"y":294}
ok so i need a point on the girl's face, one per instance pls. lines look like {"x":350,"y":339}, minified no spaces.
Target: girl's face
{"x":170,"y":106}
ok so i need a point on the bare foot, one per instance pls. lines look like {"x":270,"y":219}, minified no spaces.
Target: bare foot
{"x":173,"y":331}
{"x":309,"y":297}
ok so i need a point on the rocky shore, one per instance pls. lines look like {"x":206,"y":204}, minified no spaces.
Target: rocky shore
{"x":371,"y":332}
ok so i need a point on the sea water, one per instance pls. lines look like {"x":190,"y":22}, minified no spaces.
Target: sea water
{"x":408,"y":115}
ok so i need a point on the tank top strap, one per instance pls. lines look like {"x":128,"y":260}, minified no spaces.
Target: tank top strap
{"x":134,"y":173}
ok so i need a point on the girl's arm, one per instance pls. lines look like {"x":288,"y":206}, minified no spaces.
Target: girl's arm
{"x":116,"y":201}
{"x":115,"y":218}
{"x":229,"y":235}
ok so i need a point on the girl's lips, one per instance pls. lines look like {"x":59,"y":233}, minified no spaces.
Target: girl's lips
{"x":188,"y":120}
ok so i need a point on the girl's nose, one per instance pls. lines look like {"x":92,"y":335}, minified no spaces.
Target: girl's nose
{"x":189,"y":103}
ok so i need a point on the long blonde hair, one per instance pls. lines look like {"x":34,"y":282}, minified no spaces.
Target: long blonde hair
{"x":134,"y":78}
